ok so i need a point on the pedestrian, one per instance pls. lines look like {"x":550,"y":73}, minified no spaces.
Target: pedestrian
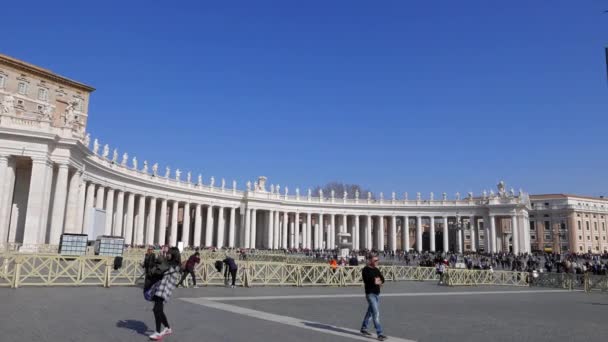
{"x":169,"y":269}
{"x":231,"y":267}
{"x":372,"y":279}
{"x":189,"y":268}
{"x":149,"y":262}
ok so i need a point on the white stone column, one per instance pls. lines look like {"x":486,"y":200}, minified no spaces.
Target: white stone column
{"x":109,"y":211}
{"x":380,"y":233}
{"x":276,"y":243}
{"x":198,"y":224}
{"x":231,"y":227}
{"x":162,"y":223}
{"x":493,"y":234}
{"x":4,"y":199}
{"x":7,"y":190}
{"x":308,"y":230}
{"x":36,"y":202}
{"x":368,"y":233}
{"x":473,"y":227}
{"x":296,"y":230}
{"x":406,"y":234}
{"x":100,"y":197}
{"x":186,"y":225}
{"x":515,"y":231}
{"x":357,"y":245}
{"x":285,"y":230}
{"x":446,"y":236}
{"x":174,"y":213}
{"x":254,"y":229}
{"x":209,"y":228}
{"x":419,"y":233}
{"x":71,"y":209}
{"x":46,"y":204}
{"x":270,"y":227}
{"x":130,"y":215}
{"x":220,"y":227}
{"x":459,"y":237}
{"x":247,"y":242}
{"x":141,"y":219}
{"x":393,"y":233}
{"x":82,"y":193}
{"x":432,"y":234}
{"x":59,"y":204}
{"x":88,"y":207}
{"x":151,"y":229}
{"x":120,"y":204}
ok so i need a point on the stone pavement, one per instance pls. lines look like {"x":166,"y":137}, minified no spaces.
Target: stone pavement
{"x":409,"y":311}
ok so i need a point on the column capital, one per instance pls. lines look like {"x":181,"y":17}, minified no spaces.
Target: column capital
{"x":62,"y":165}
{"x":3,"y":158}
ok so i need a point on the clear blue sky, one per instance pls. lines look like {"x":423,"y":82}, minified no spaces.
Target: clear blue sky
{"x":394,"y":95}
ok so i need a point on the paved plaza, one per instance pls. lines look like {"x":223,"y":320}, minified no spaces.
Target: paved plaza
{"x":410,"y":311}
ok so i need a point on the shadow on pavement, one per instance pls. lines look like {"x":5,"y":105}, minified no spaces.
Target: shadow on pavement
{"x":329,"y":327}
{"x":137,"y":326}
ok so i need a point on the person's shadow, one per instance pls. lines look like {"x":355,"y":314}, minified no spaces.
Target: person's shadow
{"x":137,"y":326}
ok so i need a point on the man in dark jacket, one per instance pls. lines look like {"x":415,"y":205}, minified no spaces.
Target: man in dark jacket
{"x":372,"y":279}
{"x":193,"y":260}
{"x":232,"y":268}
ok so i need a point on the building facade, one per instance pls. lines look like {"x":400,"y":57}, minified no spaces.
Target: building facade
{"x":55,"y":180}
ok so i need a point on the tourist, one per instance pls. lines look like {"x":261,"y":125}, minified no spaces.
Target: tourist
{"x":231,"y":267}
{"x":149,"y":262}
{"x":189,"y":268}
{"x":372,"y":279}
{"x":170,"y":276}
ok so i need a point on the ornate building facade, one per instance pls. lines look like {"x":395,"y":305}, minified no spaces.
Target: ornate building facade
{"x":55,"y":180}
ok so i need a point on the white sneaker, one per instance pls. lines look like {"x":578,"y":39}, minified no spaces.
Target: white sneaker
{"x":166,"y":331}
{"x":156,"y":336}
{"x":232,"y":286}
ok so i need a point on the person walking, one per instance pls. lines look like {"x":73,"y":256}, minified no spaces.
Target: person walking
{"x":372,"y":279}
{"x":231,"y":267}
{"x":170,"y":270}
{"x":193,"y":260}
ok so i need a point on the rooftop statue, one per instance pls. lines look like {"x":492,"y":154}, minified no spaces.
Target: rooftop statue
{"x":125,"y":158}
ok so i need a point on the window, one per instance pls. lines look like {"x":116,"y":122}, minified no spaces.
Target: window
{"x":467,"y":237}
{"x":43,"y":94}
{"x":563,"y":225}
{"x":595,"y":226}
{"x":587,"y":225}
{"x":2,"y":81}
{"x":603,"y":226}
{"x":532,"y":225}
{"x":588,"y":237}
{"x":580,"y":237}
{"x":546,"y":215}
{"x":547,"y":226}
{"x":533,"y":237}
{"x":546,"y":204}
{"x":580,"y":248}
{"x":604,"y":238}
{"x":597,"y":238}
{"x":547,"y":237}
{"x":40,"y":108}
{"x":579,"y":225}
{"x":22,"y":88}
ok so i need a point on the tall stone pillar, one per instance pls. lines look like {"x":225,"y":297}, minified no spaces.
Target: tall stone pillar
{"x":473,"y":228}
{"x":319,"y":232}
{"x":247,"y":235}
{"x":332,"y":228}
{"x":141,"y":219}
{"x":71,"y":209}
{"x":446,"y":235}
{"x":209,"y":228}
{"x":35,"y":212}
{"x":4,"y":199}
{"x":101,"y":191}
{"x":186,"y":225}
{"x":220,"y":227}
{"x":419,"y":234}
{"x":82,"y":193}
{"x":46,"y":204}
{"x":231,"y":227}
{"x":308,"y":230}
{"x":162,"y":223}
{"x":59,"y":204}
{"x":120,"y":204}
{"x":515,"y":230}
{"x":174,"y":213}
{"x":393,"y":234}
{"x":406,"y":234}
{"x":459,"y":235}
{"x":151,"y":229}
{"x":380,"y":233}
{"x":285,"y":230}
{"x":254,"y":228}
{"x":432,"y":234}
{"x":130,"y":215}
{"x":276,"y":243}
{"x":198,"y":224}
{"x":109,"y":211}
{"x":357,"y":244}
{"x":270,"y":227}
{"x":296,"y":230}
{"x":368,"y":233}
{"x":88,"y":207}
{"x":493,"y":234}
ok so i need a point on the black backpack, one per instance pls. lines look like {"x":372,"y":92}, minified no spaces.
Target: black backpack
{"x":219,"y":266}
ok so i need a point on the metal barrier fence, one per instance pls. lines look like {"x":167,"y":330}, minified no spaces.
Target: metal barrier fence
{"x":19,"y":270}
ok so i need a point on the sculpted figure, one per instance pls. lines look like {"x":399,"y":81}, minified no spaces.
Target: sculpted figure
{"x":189,"y":177}
{"x":145,"y":169}
{"x":125,"y":158}
{"x":458,"y":196}
{"x":432,"y":197}
{"x":297,"y":192}
{"x":8,"y":105}
{"x":167,"y":172}
{"x":155,"y":169}
{"x":309,"y":193}
{"x":212,"y":182}
{"x":470,"y":195}
{"x":95,"y":146}
{"x":333,"y":193}
{"x":223,"y":183}
{"x":381,"y":196}
{"x":272,"y":188}
{"x":87,"y":140}
{"x":134,"y":163}
{"x":321,"y":193}
{"x":501,"y":187}
{"x":418,"y":196}
{"x":345,"y":195}
{"x":234,"y":185}
{"x":178,"y":175}
{"x":200,"y":179}
{"x":444,"y":196}
{"x":512,"y":192}
{"x":369,"y":195}
{"x":106,"y":151}
{"x":115,"y":156}
{"x":248,"y":185}
{"x":47,"y":112}
{"x":492,"y":195}
{"x":286,"y":191}
{"x":255,"y":186}
{"x":278,"y":188}
{"x":357,"y":194}
{"x":405,"y":196}
{"x":485,"y":194}
{"x":393,"y":196}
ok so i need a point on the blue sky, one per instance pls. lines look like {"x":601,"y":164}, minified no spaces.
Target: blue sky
{"x":394,"y":95}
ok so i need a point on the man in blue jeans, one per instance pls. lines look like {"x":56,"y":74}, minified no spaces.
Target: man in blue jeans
{"x":373,"y":279}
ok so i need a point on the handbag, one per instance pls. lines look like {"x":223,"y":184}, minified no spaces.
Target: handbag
{"x":149,"y":293}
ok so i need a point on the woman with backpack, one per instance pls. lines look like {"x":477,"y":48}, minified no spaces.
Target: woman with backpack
{"x":165,"y":276}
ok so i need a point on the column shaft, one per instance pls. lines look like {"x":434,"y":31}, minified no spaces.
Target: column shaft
{"x":514,"y":229}
{"x":284,"y":230}
{"x":120,"y":204}
{"x":72,"y":205}
{"x":162,"y":223}
{"x":406,"y":234}
{"x":446,"y":236}
{"x":109,"y":211}
{"x":59,"y":204}
{"x":419,"y":233}
{"x":247,"y":242}
{"x":35,"y":211}
{"x":141,"y":219}
{"x":129,"y":222}
{"x":473,"y":226}
{"x":253,"y":228}
{"x":186,"y":225}
{"x":220,"y":228}
{"x":231,"y":227}
{"x":88,"y":208}
{"x":393,"y":231}
{"x":432,"y":234}
{"x":296,"y":230}
{"x":209,"y":227}
{"x":270,"y":228}
{"x":151,"y":229}
{"x":493,"y":234}
{"x":198,"y":224}
{"x":173,"y":234}
{"x":368,"y":233}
